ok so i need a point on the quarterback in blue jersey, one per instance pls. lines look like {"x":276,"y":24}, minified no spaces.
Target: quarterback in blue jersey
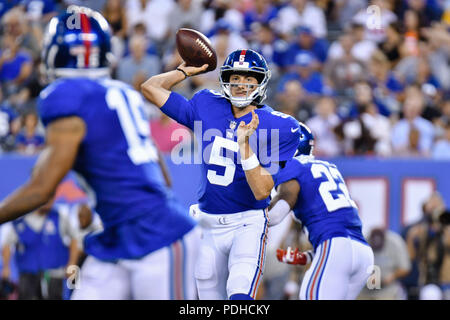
{"x":97,"y":126}
{"x":316,"y":192}
{"x":243,"y":143}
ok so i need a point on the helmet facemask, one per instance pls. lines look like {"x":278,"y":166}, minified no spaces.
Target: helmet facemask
{"x":256,"y":96}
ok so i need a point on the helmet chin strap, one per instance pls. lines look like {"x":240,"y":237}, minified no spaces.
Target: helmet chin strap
{"x":236,"y":102}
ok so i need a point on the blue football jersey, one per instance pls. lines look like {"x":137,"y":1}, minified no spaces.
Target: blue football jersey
{"x":224,"y":188}
{"x":324,"y":205}
{"x":118,"y":160}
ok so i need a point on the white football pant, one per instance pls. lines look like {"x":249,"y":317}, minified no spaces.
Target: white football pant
{"x":339,"y":270}
{"x":165,"y":274}
{"x":232,"y":254}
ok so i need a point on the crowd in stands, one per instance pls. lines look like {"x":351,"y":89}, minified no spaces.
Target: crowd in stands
{"x":369,"y":77}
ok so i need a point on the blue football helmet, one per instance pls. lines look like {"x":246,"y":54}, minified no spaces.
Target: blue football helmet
{"x":245,"y":61}
{"x":306,"y":141}
{"x":77,"y":43}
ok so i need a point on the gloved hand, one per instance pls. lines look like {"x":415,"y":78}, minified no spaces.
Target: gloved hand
{"x":290,"y":256}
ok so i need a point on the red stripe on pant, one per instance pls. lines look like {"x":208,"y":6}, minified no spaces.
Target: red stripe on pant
{"x":318,"y":271}
{"x":261,"y":264}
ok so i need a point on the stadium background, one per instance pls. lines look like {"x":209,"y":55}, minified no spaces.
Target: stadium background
{"x":371,"y":79}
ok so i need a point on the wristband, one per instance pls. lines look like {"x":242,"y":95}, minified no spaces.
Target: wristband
{"x":250,"y":163}
{"x":185,"y":74}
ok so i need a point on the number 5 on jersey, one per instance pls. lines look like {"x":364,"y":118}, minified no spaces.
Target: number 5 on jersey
{"x":217,"y":159}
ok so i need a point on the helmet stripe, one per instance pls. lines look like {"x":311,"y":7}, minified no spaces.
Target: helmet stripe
{"x":86,"y":28}
{"x":242,"y":56}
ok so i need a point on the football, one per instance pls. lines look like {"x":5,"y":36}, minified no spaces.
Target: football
{"x":195,"y":49}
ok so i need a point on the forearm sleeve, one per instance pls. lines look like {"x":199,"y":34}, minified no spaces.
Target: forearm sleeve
{"x":279,"y":211}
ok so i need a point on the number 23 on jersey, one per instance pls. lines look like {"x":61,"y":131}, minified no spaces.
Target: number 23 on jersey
{"x":334,"y":183}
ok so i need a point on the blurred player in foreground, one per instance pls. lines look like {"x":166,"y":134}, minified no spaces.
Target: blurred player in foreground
{"x":315,"y":190}
{"x":237,"y":169}
{"x":97,"y":126}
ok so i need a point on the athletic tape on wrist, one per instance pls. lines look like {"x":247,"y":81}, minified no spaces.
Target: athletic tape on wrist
{"x":250,"y":163}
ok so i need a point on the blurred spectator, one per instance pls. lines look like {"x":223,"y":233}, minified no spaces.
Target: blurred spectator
{"x":301,"y":13}
{"x":441,"y":149}
{"x":223,"y":29}
{"x":45,"y":245}
{"x":9,"y":125}
{"x":39,"y":11}
{"x":444,"y":109}
{"x":186,"y":13}
{"x":363,"y":95}
{"x":303,"y":71}
{"x":139,"y":62}
{"x":322,"y":125}
{"x":154,"y":14}
{"x":273,"y":49}
{"x":376,"y":29}
{"x":411,"y":32}
{"x":140,"y":29}
{"x":116,"y":15}
{"x":386,"y":86}
{"x":167,"y":133}
{"x":426,"y":10}
{"x":15,"y":65}
{"x":390,"y":47}
{"x":96,"y":5}
{"x":292,"y":101}
{"x":16,"y":26}
{"x":391,"y":256}
{"x":304,"y":40}
{"x":367,"y":134}
{"x":438,"y":52}
{"x":221,"y":10}
{"x":361,"y":48}
{"x":345,"y":10}
{"x":430,"y":84}
{"x":428,"y":244}
{"x":29,"y":141}
{"x":413,"y":135}
{"x":343,"y":70}
{"x":262,"y":12}
{"x":444,"y":274}
{"x":270,"y":46}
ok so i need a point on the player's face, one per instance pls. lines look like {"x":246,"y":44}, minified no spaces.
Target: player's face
{"x":242,"y":85}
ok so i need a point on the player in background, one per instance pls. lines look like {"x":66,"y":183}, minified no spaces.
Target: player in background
{"x":239,"y":162}
{"x":315,"y":190}
{"x":97,"y":126}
